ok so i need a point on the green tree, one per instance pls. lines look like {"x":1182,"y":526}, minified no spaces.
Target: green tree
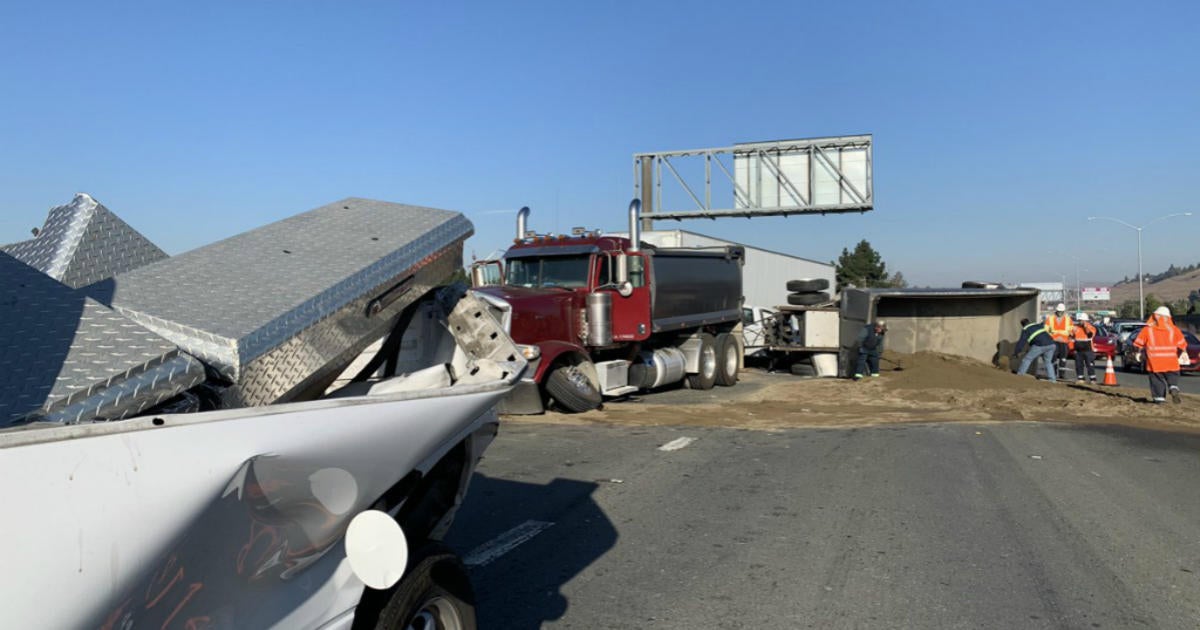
{"x":863,"y":267}
{"x":897,"y":280}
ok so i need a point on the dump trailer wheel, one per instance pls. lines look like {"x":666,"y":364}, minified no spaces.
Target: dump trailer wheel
{"x":808,"y":299}
{"x":571,"y":389}
{"x":435,"y":593}
{"x":707,"y":376}
{"x":728,"y":359}
{"x":808,"y":285}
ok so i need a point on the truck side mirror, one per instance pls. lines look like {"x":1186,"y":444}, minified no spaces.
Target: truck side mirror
{"x":622,"y":270}
{"x":486,"y":273}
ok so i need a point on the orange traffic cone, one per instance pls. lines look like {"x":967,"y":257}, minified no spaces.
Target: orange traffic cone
{"x":1110,"y":375}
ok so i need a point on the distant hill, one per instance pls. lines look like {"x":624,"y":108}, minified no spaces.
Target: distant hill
{"x":1168,"y":289}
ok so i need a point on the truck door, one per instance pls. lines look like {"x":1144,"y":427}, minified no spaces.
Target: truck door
{"x":631,"y":315}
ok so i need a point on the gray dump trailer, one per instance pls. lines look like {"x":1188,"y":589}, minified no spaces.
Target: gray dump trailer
{"x":173,"y":417}
{"x":981,"y":324}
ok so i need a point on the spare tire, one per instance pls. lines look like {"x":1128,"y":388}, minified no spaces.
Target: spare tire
{"x":808,"y":285}
{"x":808,"y":299}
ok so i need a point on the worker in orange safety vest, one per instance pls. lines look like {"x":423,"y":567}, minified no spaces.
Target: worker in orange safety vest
{"x":1061,"y":328}
{"x":1163,"y":343}
{"x":1085,"y":354}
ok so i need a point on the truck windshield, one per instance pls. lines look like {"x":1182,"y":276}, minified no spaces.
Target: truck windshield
{"x":550,"y":271}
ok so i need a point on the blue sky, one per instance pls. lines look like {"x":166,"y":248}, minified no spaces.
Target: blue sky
{"x":998,"y":127}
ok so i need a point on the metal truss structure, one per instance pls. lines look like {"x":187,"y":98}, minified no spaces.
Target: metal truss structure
{"x":775,"y":178}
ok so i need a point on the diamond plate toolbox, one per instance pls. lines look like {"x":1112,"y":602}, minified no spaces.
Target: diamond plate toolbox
{"x":279,"y":311}
{"x":83,"y":242}
{"x":65,"y":357}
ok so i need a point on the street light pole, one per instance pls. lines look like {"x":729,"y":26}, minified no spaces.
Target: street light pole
{"x":1139,"y":228}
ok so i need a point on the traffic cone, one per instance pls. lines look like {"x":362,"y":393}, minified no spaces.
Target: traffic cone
{"x":1110,"y":375}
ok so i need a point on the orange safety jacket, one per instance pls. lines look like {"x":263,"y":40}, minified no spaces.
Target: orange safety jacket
{"x":1083,"y":331}
{"x":1162,"y":341}
{"x":1059,"y":327}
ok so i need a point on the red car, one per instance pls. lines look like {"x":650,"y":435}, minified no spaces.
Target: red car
{"x":1129,"y":364}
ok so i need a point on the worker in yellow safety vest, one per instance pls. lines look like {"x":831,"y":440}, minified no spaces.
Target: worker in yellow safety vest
{"x":1061,"y":328}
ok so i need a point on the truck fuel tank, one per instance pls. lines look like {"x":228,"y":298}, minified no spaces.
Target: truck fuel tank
{"x":599,"y":319}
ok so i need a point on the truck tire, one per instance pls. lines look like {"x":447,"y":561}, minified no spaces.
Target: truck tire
{"x":572,"y":390}
{"x":808,"y":299}
{"x":707,"y":376}
{"x":802,"y":369}
{"x":808,"y":285}
{"x":435,"y":593}
{"x":728,"y":359}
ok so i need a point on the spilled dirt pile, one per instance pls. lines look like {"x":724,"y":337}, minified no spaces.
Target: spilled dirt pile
{"x":929,"y":388}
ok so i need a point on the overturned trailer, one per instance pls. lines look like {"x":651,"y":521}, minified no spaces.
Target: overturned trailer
{"x":981,"y":324}
{"x":171,"y":436}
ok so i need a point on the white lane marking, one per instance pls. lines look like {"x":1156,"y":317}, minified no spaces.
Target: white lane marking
{"x":676,"y":444}
{"x":504,"y":543}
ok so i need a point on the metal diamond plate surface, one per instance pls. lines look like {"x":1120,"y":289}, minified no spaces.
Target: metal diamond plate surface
{"x":83,"y":242}
{"x":277,"y":310}
{"x":67,"y":357}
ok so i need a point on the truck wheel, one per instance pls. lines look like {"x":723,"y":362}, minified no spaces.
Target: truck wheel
{"x":571,"y":389}
{"x":435,"y":593}
{"x":707,"y":376}
{"x":808,"y":285}
{"x":808,"y":299}
{"x":727,"y":359}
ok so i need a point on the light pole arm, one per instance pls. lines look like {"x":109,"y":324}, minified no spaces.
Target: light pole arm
{"x":1168,"y":216}
{"x":1128,"y":225}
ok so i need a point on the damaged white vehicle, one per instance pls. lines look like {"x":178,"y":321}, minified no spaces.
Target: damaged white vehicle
{"x":270,"y":431}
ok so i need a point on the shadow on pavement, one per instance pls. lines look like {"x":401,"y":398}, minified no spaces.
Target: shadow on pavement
{"x":523,"y":587}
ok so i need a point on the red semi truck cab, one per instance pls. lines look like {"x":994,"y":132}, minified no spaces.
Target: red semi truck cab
{"x":603,"y":316}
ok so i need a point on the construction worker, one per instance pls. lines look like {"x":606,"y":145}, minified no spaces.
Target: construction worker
{"x":1085,"y":353}
{"x":1162,"y":343}
{"x":870,"y":348}
{"x":1060,"y":327}
{"x":1040,"y":344}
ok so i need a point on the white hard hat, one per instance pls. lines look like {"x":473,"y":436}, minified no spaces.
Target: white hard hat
{"x":1060,"y":308}
{"x":1083,"y":317}
{"x":1163,"y":311}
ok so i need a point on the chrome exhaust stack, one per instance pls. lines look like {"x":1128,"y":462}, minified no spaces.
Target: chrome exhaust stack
{"x":522,"y":217}
{"x":635,"y":225}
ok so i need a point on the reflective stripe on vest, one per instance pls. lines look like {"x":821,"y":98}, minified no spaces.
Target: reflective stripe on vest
{"x":1037,"y":332}
{"x":1166,"y":349}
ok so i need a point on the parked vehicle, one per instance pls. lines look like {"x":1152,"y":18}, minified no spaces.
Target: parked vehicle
{"x":601,"y":316}
{"x":181,"y":446}
{"x":1130,"y":364}
{"x":1124,"y":329}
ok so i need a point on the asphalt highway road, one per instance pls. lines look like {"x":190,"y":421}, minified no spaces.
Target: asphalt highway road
{"x":1189,"y":382}
{"x":920,"y":526}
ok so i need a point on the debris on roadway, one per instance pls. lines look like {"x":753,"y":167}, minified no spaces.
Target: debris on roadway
{"x":932,"y":387}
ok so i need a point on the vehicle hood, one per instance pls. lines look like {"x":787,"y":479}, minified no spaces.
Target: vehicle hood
{"x":540,"y":315}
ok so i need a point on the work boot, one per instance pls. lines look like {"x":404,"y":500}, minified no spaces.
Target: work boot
{"x":1175,"y":395}
{"x":858,"y":377}
{"x":1079,"y":379}
{"x":875,"y":375}
{"x":1159,"y":401}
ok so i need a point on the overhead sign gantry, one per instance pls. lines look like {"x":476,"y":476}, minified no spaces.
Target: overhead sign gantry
{"x":754,"y":179}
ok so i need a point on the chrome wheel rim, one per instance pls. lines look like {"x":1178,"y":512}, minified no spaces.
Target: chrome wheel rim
{"x":708,"y":362}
